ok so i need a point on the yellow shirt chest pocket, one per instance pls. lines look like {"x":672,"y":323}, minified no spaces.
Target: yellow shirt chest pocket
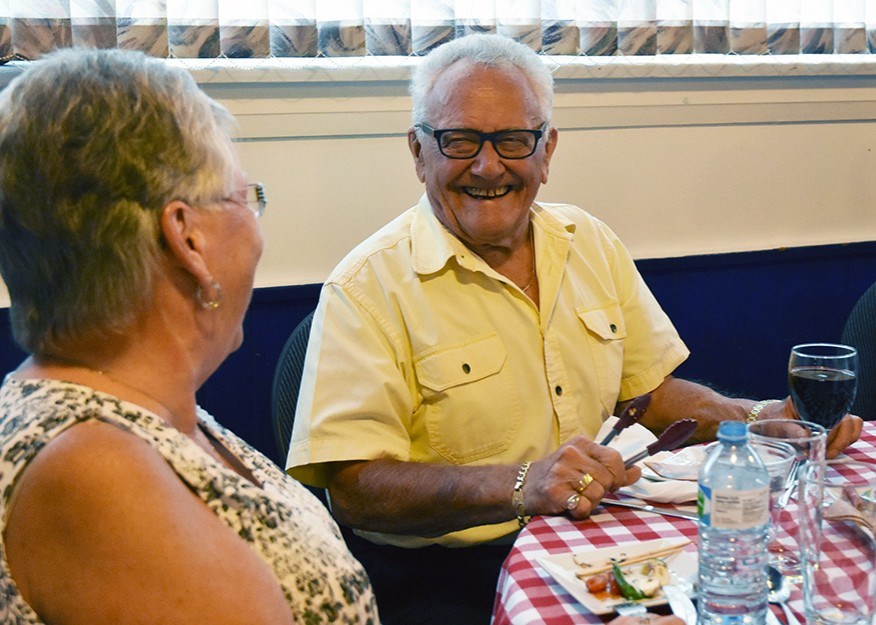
{"x":606,"y":323}
{"x":606,"y":331}
{"x":471,"y":407}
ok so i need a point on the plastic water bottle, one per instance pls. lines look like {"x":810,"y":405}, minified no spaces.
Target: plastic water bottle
{"x":733,"y":506}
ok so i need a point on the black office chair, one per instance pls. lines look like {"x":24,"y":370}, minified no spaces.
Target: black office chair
{"x":287,"y":382}
{"x":284,"y":394}
{"x":860,"y":333}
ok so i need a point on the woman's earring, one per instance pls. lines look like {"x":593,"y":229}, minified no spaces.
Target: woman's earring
{"x":212,"y":300}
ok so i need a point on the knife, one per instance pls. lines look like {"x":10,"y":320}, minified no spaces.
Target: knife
{"x":681,"y":605}
{"x":684,"y":514}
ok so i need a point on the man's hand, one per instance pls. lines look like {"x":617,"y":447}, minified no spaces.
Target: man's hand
{"x":558,"y":483}
{"x":843,"y":434}
{"x":840,"y":436}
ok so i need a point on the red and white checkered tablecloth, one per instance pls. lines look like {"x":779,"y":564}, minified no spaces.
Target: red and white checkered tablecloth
{"x":528,"y":595}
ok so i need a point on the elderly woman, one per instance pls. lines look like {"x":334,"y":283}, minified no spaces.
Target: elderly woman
{"x":129,"y":238}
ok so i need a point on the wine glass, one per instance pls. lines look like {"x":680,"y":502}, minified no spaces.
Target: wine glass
{"x":822,"y":378}
{"x":808,"y":440}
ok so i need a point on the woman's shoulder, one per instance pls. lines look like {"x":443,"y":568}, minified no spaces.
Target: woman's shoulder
{"x":35,"y":411}
{"x":98,"y":501}
{"x":88,"y":469}
{"x":74,"y":451}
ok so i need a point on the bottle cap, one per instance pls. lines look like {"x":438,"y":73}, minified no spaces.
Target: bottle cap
{"x":732,"y":431}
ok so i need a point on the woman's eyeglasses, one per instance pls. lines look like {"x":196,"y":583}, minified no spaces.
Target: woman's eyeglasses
{"x":255,"y":199}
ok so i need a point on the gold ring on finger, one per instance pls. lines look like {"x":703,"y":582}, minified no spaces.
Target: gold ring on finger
{"x":572,"y":501}
{"x":584,"y":482}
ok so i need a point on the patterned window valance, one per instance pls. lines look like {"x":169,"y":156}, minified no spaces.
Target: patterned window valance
{"x":339,"y":28}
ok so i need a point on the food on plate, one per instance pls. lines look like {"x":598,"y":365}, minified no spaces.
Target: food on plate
{"x":634,"y":582}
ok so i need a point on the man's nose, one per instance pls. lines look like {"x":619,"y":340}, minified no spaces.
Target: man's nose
{"x":487,"y":163}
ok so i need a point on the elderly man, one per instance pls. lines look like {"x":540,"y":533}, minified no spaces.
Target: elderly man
{"x":463,"y":357}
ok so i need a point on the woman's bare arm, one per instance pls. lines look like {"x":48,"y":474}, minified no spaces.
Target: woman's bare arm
{"x":102,"y":531}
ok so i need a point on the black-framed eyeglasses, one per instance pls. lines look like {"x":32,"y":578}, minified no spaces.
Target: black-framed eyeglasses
{"x":465,"y":143}
{"x":256,"y":199}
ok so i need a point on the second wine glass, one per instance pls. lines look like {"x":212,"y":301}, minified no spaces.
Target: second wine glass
{"x":822,"y":379}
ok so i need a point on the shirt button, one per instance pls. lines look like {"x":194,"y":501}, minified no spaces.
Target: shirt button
{"x":466,"y":368}
{"x":559,"y":390}
{"x":613,"y":328}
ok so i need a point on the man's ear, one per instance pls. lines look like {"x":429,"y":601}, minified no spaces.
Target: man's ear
{"x":416,"y":149}
{"x":180,"y":227}
{"x":549,"y":146}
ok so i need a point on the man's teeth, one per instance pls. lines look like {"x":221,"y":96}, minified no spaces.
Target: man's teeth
{"x":487,"y":192}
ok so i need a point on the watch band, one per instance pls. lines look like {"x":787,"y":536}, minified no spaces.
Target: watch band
{"x":758,"y":407}
{"x":517,"y":495}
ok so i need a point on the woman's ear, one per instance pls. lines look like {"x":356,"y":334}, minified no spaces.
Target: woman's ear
{"x":185,"y":239}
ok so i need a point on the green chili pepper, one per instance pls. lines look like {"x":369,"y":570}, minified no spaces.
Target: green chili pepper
{"x":627,"y":589}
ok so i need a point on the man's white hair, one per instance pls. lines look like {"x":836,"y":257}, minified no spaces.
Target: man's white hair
{"x":494,"y":51}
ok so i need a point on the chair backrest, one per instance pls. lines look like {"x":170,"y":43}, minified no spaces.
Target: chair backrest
{"x":287,"y":382}
{"x":860,"y":333}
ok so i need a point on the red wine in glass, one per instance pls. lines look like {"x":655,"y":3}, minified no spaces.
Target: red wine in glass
{"x":822,"y":381}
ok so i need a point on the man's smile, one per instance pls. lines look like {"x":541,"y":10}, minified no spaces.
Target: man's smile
{"x":488,"y":194}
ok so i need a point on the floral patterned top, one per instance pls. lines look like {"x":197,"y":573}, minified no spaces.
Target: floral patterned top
{"x":284,"y":523}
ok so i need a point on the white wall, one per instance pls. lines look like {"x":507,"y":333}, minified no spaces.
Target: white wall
{"x":676,"y":166}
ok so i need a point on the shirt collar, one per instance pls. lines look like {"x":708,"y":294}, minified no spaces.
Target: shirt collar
{"x":433,"y":245}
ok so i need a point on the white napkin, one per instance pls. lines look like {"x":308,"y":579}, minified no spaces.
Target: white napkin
{"x":630,"y":441}
{"x":670,"y":491}
{"x":681,"y":465}
{"x":634,"y":439}
{"x":850,"y":505}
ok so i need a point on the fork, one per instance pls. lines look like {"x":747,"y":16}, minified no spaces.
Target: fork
{"x":790,"y":484}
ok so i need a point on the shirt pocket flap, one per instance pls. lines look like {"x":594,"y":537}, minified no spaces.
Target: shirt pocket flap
{"x":607,"y":322}
{"x":461,"y":364}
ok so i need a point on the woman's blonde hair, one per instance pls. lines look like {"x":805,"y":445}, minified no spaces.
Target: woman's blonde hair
{"x":93,"y":144}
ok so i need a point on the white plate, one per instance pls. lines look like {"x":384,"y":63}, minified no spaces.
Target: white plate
{"x":562,"y":567}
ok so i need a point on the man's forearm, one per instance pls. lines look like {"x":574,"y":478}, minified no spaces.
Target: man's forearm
{"x":678,"y":399}
{"x":420,"y":499}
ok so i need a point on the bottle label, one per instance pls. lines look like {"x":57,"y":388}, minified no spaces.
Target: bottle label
{"x":733,"y":509}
